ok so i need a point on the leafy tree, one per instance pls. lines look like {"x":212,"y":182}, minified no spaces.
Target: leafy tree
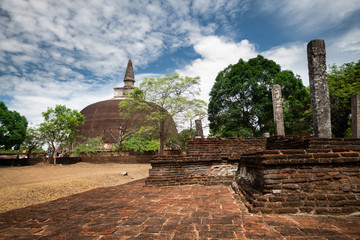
{"x":136,"y":122}
{"x":180,"y":141}
{"x":198,"y":110}
{"x":88,"y":147}
{"x":344,"y":81}
{"x":174,"y":95}
{"x":34,"y":140}
{"x":12,"y":128}
{"x":60,"y":127}
{"x":241,"y":102}
{"x":139,"y":142}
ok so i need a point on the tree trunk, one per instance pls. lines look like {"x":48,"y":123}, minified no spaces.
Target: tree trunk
{"x":162,"y":136}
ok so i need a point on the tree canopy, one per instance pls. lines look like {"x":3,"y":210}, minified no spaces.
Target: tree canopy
{"x":34,"y":140}
{"x":344,"y":81}
{"x":137,"y":130}
{"x":241,"y":102}
{"x":12,"y":128}
{"x":90,"y":146}
{"x":175,"y":96}
{"x":60,"y":126}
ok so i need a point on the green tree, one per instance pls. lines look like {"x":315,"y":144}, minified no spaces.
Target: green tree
{"x":180,"y":141}
{"x":140,"y":142}
{"x":34,"y":140}
{"x":12,"y":128}
{"x":137,"y":122}
{"x":344,"y":81}
{"x":241,"y":102}
{"x":60,"y":127}
{"x":174,"y":95}
{"x":89,"y":146}
{"x":198,"y":110}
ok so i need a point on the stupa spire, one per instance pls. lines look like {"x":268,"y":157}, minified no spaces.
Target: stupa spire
{"x":129,"y":78}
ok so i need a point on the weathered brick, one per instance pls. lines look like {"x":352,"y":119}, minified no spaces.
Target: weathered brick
{"x":306,"y":209}
{"x":276,"y":199}
{"x":276,"y":176}
{"x":258,"y":204}
{"x":286,"y":210}
{"x":273,"y":204}
{"x":353,"y":154}
{"x":265,"y":210}
{"x":325,"y":155}
{"x":290,"y":186}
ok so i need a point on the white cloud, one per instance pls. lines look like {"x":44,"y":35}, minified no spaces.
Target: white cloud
{"x":62,"y":52}
{"x":311,"y":16}
{"x":291,"y":57}
{"x":216,"y":54}
{"x":344,"y":48}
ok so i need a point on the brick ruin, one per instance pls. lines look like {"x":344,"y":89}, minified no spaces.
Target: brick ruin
{"x":302,"y":175}
{"x":209,"y":161}
{"x":279,"y":174}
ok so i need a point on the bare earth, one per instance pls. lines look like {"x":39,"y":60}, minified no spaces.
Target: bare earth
{"x":24,"y":186}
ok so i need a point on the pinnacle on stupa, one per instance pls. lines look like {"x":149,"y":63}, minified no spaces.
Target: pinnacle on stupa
{"x":129,"y":78}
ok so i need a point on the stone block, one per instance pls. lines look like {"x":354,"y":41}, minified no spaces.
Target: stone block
{"x":319,"y":90}
{"x":355,"y":115}
{"x":278,"y":110}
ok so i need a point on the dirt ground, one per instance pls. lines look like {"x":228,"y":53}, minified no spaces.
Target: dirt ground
{"x":24,"y":186}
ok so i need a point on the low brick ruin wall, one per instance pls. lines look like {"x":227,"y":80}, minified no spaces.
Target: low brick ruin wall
{"x":209,"y":161}
{"x":294,"y":174}
{"x":227,"y":147}
{"x":10,"y":159}
{"x":323,"y":179}
{"x":194,"y":169}
{"x":106,"y":158}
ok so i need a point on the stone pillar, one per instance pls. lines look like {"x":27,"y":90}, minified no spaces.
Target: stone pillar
{"x":355,"y":115}
{"x":199,"y":130}
{"x":278,"y":110}
{"x":319,"y":90}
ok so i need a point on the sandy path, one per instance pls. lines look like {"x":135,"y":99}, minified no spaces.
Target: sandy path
{"x":24,"y":186}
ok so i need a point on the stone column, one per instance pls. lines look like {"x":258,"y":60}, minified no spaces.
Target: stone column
{"x":355,"y":115}
{"x":278,"y":110}
{"x":199,"y":130}
{"x":319,"y":90}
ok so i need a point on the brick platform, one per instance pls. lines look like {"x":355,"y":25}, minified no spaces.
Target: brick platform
{"x":209,"y":161}
{"x":303,"y":175}
{"x":132,"y":211}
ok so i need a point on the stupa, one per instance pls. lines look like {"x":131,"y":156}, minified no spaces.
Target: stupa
{"x":103,"y":119}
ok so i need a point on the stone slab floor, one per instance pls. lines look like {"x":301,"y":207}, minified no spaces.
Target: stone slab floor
{"x":132,"y":211}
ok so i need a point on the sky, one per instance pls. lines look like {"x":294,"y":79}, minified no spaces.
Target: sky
{"x":73,"y":52}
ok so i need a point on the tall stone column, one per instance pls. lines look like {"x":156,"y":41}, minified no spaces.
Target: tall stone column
{"x":199,"y":129}
{"x":355,"y":115}
{"x":319,"y":89}
{"x":278,"y":110}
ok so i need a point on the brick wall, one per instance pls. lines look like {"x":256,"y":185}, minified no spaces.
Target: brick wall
{"x":209,"y":161}
{"x":324,"y":179}
{"x":227,"y":147}
{"x":292,"y":174}
{"x":105,"y":158}
{"x":195,"y":169}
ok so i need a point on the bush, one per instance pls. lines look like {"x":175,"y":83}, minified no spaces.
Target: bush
{"x":139,"y":143}
{"x":88,"y":147}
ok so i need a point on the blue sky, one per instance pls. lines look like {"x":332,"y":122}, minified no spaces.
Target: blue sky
{"x":74,"y":52}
